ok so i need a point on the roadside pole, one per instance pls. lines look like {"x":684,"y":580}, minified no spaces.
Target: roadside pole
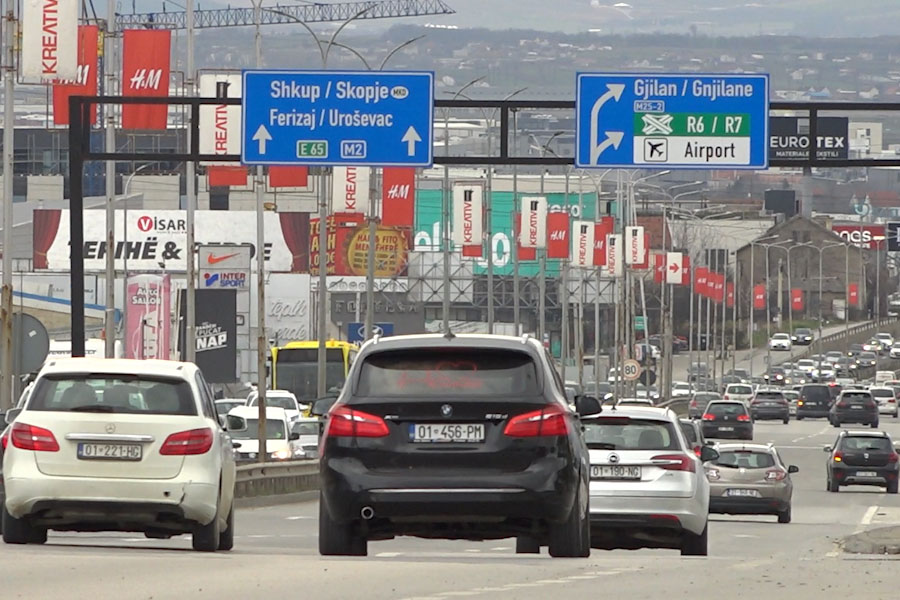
{"x":111,"y":73}
{"x":261,"y":342}
{"x":6,"y":294}
{"x":370,"y":254}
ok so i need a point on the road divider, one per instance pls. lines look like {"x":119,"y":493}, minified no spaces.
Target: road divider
{"x":275,"y":479}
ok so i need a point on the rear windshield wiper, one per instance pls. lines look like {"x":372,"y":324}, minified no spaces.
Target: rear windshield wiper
{"x":92,"y":408}
{"x":602,"y":446}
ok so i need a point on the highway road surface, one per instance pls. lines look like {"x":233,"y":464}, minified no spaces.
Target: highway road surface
{"x":275,"y":556}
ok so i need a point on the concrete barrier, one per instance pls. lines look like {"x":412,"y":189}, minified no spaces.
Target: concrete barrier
{"x":276,"y":479}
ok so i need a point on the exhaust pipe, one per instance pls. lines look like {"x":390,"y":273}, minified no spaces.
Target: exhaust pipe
{"x":367,"y":512}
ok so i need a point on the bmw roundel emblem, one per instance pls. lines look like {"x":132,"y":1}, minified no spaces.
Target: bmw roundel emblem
{"x":446,"y":410}
{"x":613,"y":458}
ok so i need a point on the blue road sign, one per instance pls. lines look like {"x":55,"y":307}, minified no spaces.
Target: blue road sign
{"x":337,"y":118}
{"x":671,"y":121}
{"x":893,"y":236}
{"x":356,"y":332}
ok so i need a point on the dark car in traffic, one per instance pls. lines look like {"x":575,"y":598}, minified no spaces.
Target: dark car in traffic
{"x":802,"y":336}
{"x":854,"y":406}
{"x":727,"y":419}
{"x":867,"y":360}
{"x":454,"y":437}
{"x":770,"y":404}
{"x":814,"y":402}
{"x":862,"y":458}
{"x":776,"y":375}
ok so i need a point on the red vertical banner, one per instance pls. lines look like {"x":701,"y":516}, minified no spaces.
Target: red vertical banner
{"x":853,"y":294}
{"x":85,"y":82}
{"x":686,"y":269}
{"x":221,"y":176}
{"x":729,"y":294}
{"x":472,"y":251}
{"x":718,"y":290}
{"x":759,"y":296}
{"x":558,"y":235}
{"x":796,"y":299}
{"x":523,"y":253}
{"x":701,"y":278}
{"x":145,"y":72}
{"x":398,"y":199}
{"x":288,"y":177}
{"x":602,"y":228}
{"x":659,"y":267}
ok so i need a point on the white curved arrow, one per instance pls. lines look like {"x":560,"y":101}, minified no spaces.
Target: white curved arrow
{"x":613,"y":138}
{"x":613,"y":92}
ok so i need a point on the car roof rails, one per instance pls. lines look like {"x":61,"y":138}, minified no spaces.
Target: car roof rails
{"x":449,"y":335}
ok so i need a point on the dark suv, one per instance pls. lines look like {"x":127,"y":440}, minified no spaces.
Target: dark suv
{"x":454,"y":437}
{"x":814,"y":401}
{"x":854,"y":406}
{"x":770,"y":404}
{"x":802,"y":336}
{"x":862,"y":458}
{"x":727,"y":419}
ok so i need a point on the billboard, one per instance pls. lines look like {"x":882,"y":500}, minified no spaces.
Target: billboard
{"x":220,"y":124}
{"x":157,"y":239}
{"x":789,"y":137}
{"x":215,"y":333}
{"x":348,"y":247}
{"x":49,"y":40}
{"x":862,"y":236}
{"x":350,"y":190}
{"x":148,"y":317}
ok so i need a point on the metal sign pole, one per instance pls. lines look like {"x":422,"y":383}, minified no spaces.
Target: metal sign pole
{"x":109,"y":66}
{"x":261,"y":343}
{"x":542,"y":284}
{"x":190,"y":321}
{"x":517,"y":227}
{"x":6,"y":295}
{"x":370,"y":255}
{"x":322,"y":297}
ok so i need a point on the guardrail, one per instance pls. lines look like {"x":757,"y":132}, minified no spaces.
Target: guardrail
{"x":274,"y":479}
{"x":846,"y":334}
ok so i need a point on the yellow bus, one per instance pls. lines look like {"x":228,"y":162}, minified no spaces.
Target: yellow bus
{"x":295,"y":367}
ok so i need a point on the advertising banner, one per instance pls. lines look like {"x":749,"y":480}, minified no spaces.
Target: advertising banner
{"x":759,"y":296}
{"x":398,"y":199}
{"x":602,"y":228}
{"x":796,"y":299}
{"x":534,"y":218}
{"x":348,"y":247}
{"x":49,"y":40}
{"x":220,"y":124}
{"x":701,"y":281}
{"x":659,"y":266}
{"x":674,"y":261}
{"x":85,"y":81}
{"x":148,"y":321}
{"x":156,"y":239}
{"x":862,"y":236}
{"x":468,"y":203}
{"x":524,"y":253}
{"x":853,"y":294}
{"x":789,"y":138}
{"x":583,"y":244}
{"x":145,"y":72}
{"x":288,"y":316}
{"x":216,"y":334}
{"x":634,"y":245}
{"x":729,"y":294}
{"x":350,"y":190}
{"x":615,"y":263}
{"x":558,"y":235}
{"x":685,"y":269}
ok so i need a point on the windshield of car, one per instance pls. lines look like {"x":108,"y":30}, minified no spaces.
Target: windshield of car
{"x":723,"y":409}
{"x":745,"y":459}
{"x":866,"y":443}
{"x":802,"y":331}
{"x":707,"y":397}
{"x":739,"y":389}
{"x":791,"y":395}
{"x":113,"y":394}
{"x":855,"y":347}
{"x":806,"y":363}
{"x":815,"y":393}
{"x":222,"y":408}
{"x":882,"y":392}
{"x":689,"y":432}
{"x":769,"y":396}
{"x":884,"y":336}
{"x":458,"y":372}
{"x":306,"y":428}
{"x":869,"y":355}
{"x":248,"y":429}
{"x":856,"y":396}
{"x":285,"y":402}
{"x":626,"y":433}
{"x":781,"y":336}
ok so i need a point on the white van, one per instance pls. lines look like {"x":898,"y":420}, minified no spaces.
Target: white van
{"x":882,"y":377}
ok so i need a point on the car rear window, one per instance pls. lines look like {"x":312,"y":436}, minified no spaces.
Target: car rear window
{"x":816,"y":393}
{"x":866,"y":443}
{"x":721,"y":409}
{"x":113,"y":394}
{"x":464,"y":372}
{"x":625,"y":433}
{"x":745,"y":459}
{"x":740,"y":389}
{"x":882,"y":393}
{"x":851,"y":396}
{"x":689,"y":433}
{"x":770,"y":395}
{"x":284,"y":402}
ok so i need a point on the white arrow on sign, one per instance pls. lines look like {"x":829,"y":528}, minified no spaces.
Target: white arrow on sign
{"x":613,"y":138}
{"x":411,"y":137}
{"x":262,"y":136}
{"x":614,"y":92}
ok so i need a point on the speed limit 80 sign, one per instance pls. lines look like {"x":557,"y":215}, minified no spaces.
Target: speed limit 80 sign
{"x":631,"y":369}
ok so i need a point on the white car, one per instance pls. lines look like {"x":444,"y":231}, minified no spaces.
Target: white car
{"x":642,"y":467}
{"x":280,"y":399}
{"x":780,"y":341}
{"x":634,"y":402}
{"x":886,"y":339}
{"x":895,"y":350}
{"x":281,"y":443}
{"x":807,"y":365}
{"x":681,"y":388}
{"x":886,"y":398}
{"x":119,"y":445}
{"x":791,"y":396}
{"x":739,"y":391}
{"x":308,"y":430}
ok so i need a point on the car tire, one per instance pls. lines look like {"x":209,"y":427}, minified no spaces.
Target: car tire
{"x":525,"y":544}
{"x":892,"y":487}
{"x":835,"y":423}
{"x":337,"y":539}
{"x":567,"y":538}
{"x":786,"y":420}
{"x":18,"y":531}
{"x":695,"y":545}
{"x":784,"y":516}
{"x":874,"y":425}
{"x":206,"y":537}
{"x":799,"y":418}
{"x":226,"y":538}
{"x":834,"y":486}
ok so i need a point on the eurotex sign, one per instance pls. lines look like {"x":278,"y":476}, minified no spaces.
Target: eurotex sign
{"x":428,"y":236}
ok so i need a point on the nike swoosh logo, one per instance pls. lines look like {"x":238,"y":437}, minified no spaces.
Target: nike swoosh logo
{"x":213,"y":259}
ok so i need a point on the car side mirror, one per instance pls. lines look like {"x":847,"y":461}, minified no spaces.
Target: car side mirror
{"x":235,"y":445}
{"x":295,"y":435}
{"x":587,"y":405}
{"x":322,"y":406}
{"x":708,"y":453}
{"x":235,"y":423}
{"x":826,"y":449}
{"x":793,"y":469}
{"x":11,"y":415}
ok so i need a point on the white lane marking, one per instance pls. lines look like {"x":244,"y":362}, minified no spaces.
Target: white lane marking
{"x":388,"y":554}
{"x":824,"y":430}
{"x":577,"y":577}
{"x":473,"y":550}
{"x":460,"y":594}
{"x":499,"y":548}
{"x":297,"y":518}
{"x":745,"y":535}
{"x":870,"y":514}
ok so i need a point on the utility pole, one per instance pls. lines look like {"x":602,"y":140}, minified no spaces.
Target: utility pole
{"x":111,"y":73}
{"x":542,"y":283}
{"x":9,"y":125}
{"x":370,"y":255}
{"x":780,"y":296}
{"x":190,"y":321}
{"x":517,"y":227}
{"x":262,"y":346}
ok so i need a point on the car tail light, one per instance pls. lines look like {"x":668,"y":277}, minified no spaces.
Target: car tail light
{"x":838,"y":456}
{"x":674,"y":462}
{"x":693,"y":404}
{"x":29,"y":437}
{"x":799,"y":402}
{"x":842,"y":404}
{"x":709,"y":417}
{"x":775,"y":475}
{"x":712,"y":474}
{"x":4,"y":440}
{"x":893,"y":458}
{"x":697,"y":450}
{"x":192,"y":441}
{"x":344,"y":421}
{"x":743,"y":418}
{"x":726,"y":397}
{"x":546,"y":421}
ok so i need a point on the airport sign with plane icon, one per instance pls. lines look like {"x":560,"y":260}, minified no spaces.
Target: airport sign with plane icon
{"x":626,"y":120}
